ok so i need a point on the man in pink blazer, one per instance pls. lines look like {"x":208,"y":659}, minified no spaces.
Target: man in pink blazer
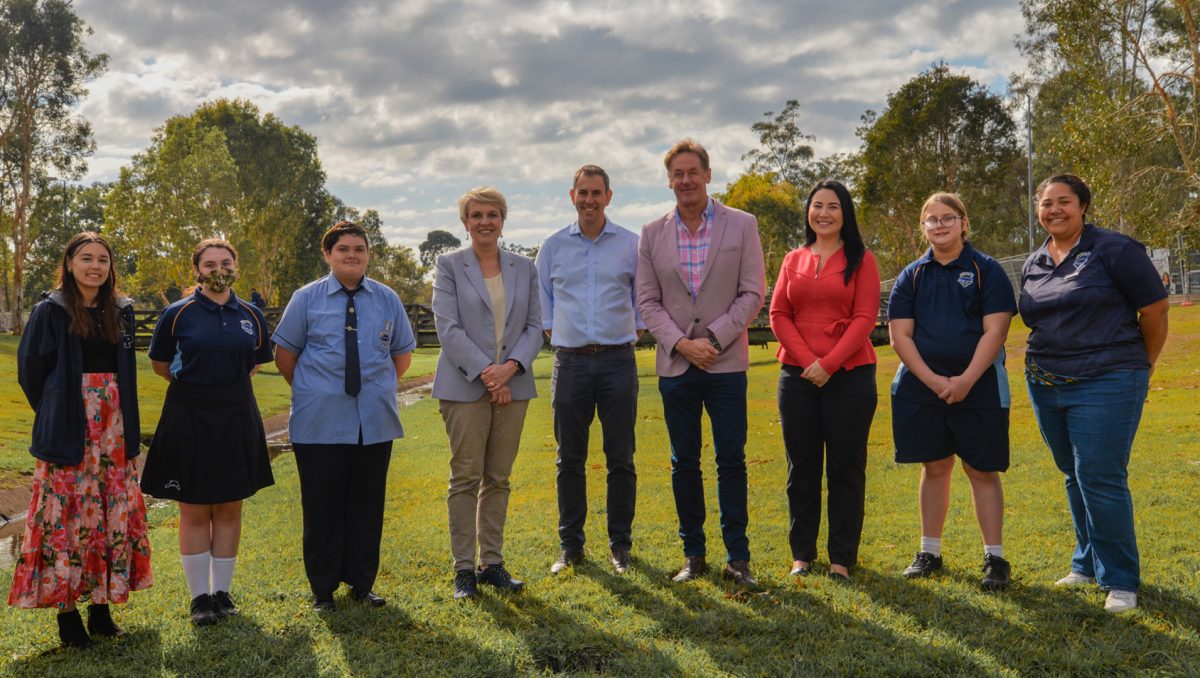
{"x":699,"y":285}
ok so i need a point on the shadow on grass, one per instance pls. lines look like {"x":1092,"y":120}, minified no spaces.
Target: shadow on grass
{"x":560,"y":643}
{"x":1043,"y":628}
{"x":784,"y":631}
{"x":105,"y":657}
{"x":238,"y":646}
{"x":386,"y":641}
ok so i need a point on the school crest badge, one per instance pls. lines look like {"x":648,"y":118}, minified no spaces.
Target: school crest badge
{"x":966,"y":279}
{"x":247,"y":327}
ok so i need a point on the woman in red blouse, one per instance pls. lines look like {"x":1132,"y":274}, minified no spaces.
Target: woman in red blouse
{"x":825,"y":304}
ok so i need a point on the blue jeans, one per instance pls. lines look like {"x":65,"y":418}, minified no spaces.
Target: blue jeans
{"x":724,"y":397}
{"x":582,"y":386}
{"x":1089,"y":427}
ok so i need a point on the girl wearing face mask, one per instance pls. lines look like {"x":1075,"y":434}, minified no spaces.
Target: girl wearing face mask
{"x":209,"y":450}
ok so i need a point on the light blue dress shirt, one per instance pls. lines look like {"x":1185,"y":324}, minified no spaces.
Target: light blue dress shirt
{"x":586,"y":286}
{"x":313,"y":326}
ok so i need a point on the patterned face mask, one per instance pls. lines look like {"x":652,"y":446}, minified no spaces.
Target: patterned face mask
{"x":218,"y":281}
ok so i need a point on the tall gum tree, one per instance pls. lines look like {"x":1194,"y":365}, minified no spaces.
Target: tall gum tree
{"x":44,"y":67}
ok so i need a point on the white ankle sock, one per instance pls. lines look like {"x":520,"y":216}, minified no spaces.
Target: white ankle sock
{"x":932,"y":545}
{"x":195,"y":568}
{"x":994,"y":549}
{"x":222,"y":573}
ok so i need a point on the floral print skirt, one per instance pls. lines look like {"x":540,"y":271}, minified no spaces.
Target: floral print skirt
{"x":85,"y":533}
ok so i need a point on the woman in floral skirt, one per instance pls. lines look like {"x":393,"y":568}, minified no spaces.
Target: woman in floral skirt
{"x":85,"y":533}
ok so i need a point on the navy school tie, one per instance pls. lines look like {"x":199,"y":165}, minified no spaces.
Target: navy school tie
{"x":353,"y":374}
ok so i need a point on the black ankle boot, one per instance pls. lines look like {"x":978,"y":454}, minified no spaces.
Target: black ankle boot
{"x":100,"y":622}
{"x":71,"y":631}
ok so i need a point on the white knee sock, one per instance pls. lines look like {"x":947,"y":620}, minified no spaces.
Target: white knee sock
{"x":195,"y":568}
{"x":994,"y":549}
{"x":222,"y":573}
{"x":932,"y":545}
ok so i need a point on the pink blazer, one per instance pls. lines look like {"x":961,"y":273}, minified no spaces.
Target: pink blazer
{"x":732,"y":286}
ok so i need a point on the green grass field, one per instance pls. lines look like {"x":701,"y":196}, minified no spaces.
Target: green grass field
{"x":591,"y":622}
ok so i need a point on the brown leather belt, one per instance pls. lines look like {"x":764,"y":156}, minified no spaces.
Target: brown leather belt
{"x":590,"y":349}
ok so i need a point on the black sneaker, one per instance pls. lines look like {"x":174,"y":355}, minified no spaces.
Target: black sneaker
{"x":464,"y":584}
{"x":203,"y":612}
{"x":996,"y":573}
{"x":223,"y":604}
{"x":923,"y":565}
{"x":496,"y":575}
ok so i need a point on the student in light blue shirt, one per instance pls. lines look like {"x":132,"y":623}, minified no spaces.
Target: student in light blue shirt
{"x":343,"y":342}
{"x":586,"y":281}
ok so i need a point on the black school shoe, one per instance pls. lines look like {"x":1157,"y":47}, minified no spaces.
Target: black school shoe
{"x":496,"y":575}
{"x":997,"y":573}
{"x":203,"y":612}
{"x":923,"y":565}
{"x":223,"y":604}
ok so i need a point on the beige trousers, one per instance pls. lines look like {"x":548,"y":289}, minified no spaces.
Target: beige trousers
{"x":483,"y":446}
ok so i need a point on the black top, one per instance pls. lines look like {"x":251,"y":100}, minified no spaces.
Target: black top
{"x":99,"y":355}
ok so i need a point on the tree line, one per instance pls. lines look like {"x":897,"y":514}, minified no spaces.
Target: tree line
{"x":1111,"y":91}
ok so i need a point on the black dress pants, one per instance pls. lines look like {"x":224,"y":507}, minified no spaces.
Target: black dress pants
{"x":826,"y":429}
{"x":342,"y":489}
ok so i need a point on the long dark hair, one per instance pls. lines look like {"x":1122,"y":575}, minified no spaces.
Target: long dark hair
{"x":106,"y":298}
{"x":852,"y":242}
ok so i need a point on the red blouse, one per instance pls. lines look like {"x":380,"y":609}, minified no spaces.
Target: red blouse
{"x":817,"y":316}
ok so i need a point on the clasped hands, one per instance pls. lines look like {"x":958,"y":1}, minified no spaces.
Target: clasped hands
{"x":699,"y":352}
{"x":495,"y":379}
{"x":950,"y":389}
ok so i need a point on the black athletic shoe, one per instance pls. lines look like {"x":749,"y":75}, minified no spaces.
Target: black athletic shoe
{"x":496,"y":575}
{"x":464,"y":584}
{"x":923,"y":565}
{"x":996,"y":573}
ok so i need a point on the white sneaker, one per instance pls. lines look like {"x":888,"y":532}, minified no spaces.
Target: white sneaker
{"x":1075,"y":579}
{"x":1120,"y":601}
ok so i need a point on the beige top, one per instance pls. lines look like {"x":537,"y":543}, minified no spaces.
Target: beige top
{"x":495,"y":288}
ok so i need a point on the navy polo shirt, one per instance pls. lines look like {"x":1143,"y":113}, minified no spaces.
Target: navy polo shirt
{"x":1082,"y":313}
{"x":215,"y":343}
{"x":948,"y":303}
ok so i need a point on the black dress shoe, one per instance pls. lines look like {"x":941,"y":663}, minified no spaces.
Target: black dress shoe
{"x":100,"y":622}
{"x":739,"y":572}
{"x":324,"y":603}
{"x":71,"y":631}
{"x":368,"y":597}
{"x":203,"y":613}
{"x":693,"y":566}
{"x":223,"y":604}
{"x":496,"y":575}
{"x":839,"y":577}
{"x":464,"y":584}
{"x":620,"y":560}
{"x":569,"y":558}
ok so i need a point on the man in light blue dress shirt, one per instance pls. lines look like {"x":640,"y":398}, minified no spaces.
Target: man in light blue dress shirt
{"x":586,"y":280}
{"x":343,"y":342}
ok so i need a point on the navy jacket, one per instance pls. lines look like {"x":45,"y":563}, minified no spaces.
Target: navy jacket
{"x":50,"y":370}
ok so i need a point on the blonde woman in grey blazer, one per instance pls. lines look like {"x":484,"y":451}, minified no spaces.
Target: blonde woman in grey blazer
{"x":488,"y":319}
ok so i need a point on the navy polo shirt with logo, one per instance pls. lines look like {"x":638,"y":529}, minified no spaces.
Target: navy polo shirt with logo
{"x":1082,"y":313}
{"x":215,"y":343}
{"x":947,"y":303}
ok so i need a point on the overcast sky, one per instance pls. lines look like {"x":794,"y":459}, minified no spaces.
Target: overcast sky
{"x":415,"y":101}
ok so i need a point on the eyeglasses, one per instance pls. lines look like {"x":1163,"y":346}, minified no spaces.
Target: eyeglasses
{"x":948,"y":221}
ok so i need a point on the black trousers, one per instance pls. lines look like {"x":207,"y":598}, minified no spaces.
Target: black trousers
{"x":342,"y":488}
{"x":826,"y":429}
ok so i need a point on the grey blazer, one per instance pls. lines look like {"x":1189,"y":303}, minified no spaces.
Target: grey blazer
{"x":462,"y":314}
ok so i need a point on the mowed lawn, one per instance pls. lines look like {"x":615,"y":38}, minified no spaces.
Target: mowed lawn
{"x":590,"y":621}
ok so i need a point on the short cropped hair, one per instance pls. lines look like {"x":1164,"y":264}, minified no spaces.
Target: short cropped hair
{"x":686,"y":145}
{"x":341,"y":229}
{"x":488,"y":195}
{"x":591,"y":171}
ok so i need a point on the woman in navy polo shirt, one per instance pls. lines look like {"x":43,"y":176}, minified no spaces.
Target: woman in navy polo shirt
{"x":1097,"y":314}
{"x":948,"y":316}
{"x":209,"y":450}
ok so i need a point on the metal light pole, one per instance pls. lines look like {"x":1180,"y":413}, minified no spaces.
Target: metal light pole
{"x":65,"y":198}
{"x":1029,"y":166}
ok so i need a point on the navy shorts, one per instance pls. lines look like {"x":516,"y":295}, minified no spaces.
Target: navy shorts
{"x":927,"y":432}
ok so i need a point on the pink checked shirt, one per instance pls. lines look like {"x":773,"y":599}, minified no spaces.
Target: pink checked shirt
{"x":693,"y":250}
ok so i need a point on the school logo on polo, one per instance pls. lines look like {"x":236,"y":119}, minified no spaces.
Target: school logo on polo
{"x":1081,"y":259}
{"x":247,"y":327}
{"x":966,"y":279}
